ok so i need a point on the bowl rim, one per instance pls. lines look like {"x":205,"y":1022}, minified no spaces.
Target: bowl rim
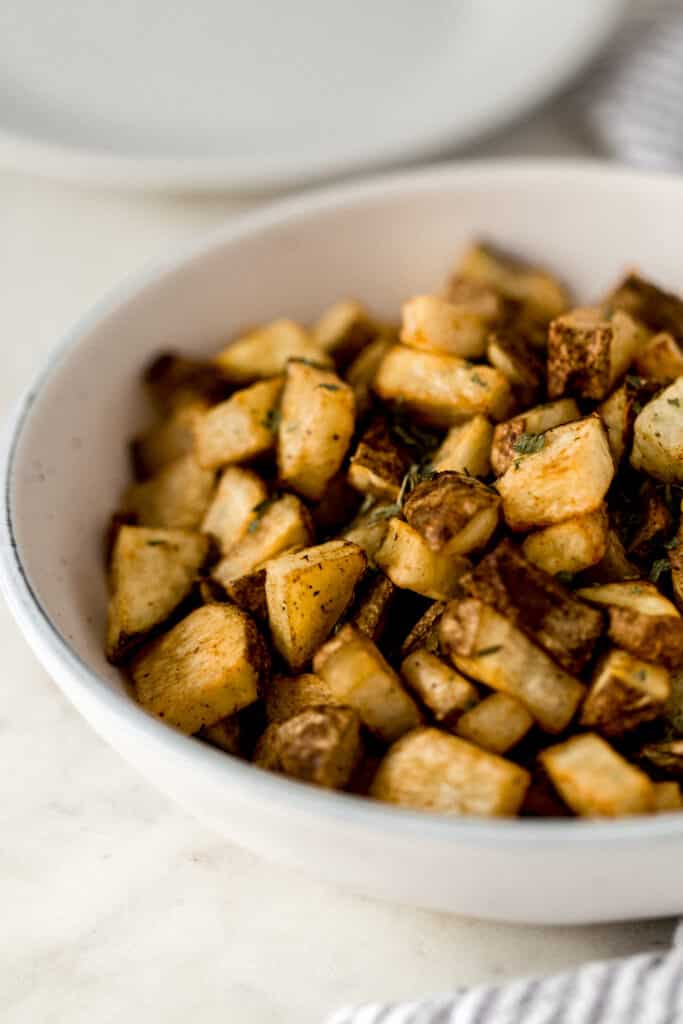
{"x":78,"y":679}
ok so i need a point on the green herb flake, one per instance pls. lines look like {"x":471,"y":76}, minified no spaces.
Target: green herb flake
{"x":156,"y":543}
{"x":476,"y":379}
{"x":670,"y":544}
{"x":674,"y":401}
{"x":329,"y":387}
{"x":260,"y":510}
{"x":384,"y":512}
{"x":641,"y":675}
{"x":271,"y":421}
{"x":565,"y":577}
{"x":659,"y":567}
{"x":528,"y":444}
{"x":634,"y":380}
{"x":488,"y":650}
{"x":308,"y":362}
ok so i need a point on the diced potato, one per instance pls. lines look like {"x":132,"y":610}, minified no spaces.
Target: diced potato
{"x":566,"y":476}
{"x":373,"y":605}
{"x":641,"y":620}
{"x":409,"y":562}
{"x":661,"y":358}
{"x":540,"y":292}
{"x":369,"y":529}
{"x":152,"y":571}
{"x":287,"y":696}
{"x":509,"y":352}
{"x":441,"y":389}
{"x":595,"y":781}
{"x":249,"y":593}
{"x":344,"y":330}
{"x":588,"y":354}
{"x":496,"y":724}
{"x":529,"y":423}
{"x":658,"y":436}
{"x":205,"y":668}
{"x":466,"y":448}
{"x":265,"y":351}
{"x":231,"y":511}
{"x":453,"y":512}
{"x":359,"y":676}
{"x":307,"y":593}
{"x":316,"y":427}
{"x":425,"y":632}
{"x":625,"y":693}
{"x":569,"y":547}
{"x":167,"y":440}
{"x":614,"y":566}
{"x":533,"y":601}
{"x":319,"y":745}
{"x":433,"y":323}
{"x":175,"y":498}
{"x":378,"y":464}
{"x":432,"y":771}
{"x":282,"y":523}
{"x":226,"y":734}
{"x":488,"y":648}
{"x":657,"y":309}
{"x":174,"y":381}
{"x":444,"y":691}
{"x":654,"y":522}
{"x":241,"y":428}
{"x":664,"y":759}
{"x":619,"y":411}
{"x":477,"y":296}
{"x":361,"y":373}
{"x":667,"y":797}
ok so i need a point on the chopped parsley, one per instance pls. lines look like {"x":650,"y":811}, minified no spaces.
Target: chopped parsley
{"x":673,"y":543}
{"x":488,"y":650}
{"x":659,"y":567}
{"x":528,"y":444}
{"x":260,"y":510}
{"x":674,"y":401}
{"x":271,"y":421}
{"x":329,"y":387}
{"x":156,"y":543}
{"x":565,"y":577}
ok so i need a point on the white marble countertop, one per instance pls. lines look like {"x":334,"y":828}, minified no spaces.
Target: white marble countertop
{"x":115,"y":904}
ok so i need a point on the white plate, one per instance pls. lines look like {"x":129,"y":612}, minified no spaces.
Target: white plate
{"x":268,"y":94}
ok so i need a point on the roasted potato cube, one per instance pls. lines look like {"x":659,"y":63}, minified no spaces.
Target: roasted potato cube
{"x":565,"y":474}
{"x":280,"y":523}
{"x":480,"y":298}
{"x":205,"y":668}
{"x":434,"y":323}
{"x":488,"y":648}
{"x":319,"y":745}
{"x":466,"y":449}
{"x":453,"y":512}
{"x":440,"y":688}
{"x":537,"y":290}
{"x":409,"y":562}
{"x":441,"y":389}
{"x":231,"y":511}
{"x":369,"y":529}
{"x":588,"y":354}
{"x":307,"y":593}
{"x":625,"y":693}
{"x":664,"y":759}
{"x":595,"y":781}
{"x":287,"y":696}
{"x":344,"y":330}
{"x":152,"y":571}
{"x":359,"y":676}
{"x":226,"y":734}
{"x":657,"y":309}
{"x":316,"y":427}
{"x":372,"y":606}
{"x":654,"y":522}
{"x":174,"y":381}
{"x":641,"y":620}
{"x":569,"y":547}
{"x":378,"y":464}
{"x":619,"y":411}
{"x":528,"y":424}
{"x":533,"y":601}
{"x":240,"y":428}
{"x":265,"y":351}
{"x":667,"y":797}
{"x":175,"y":498}
{"x":425,"y":632}
{"x":432,"y":771}
{"x":509,"y":352}
{"x":360,"y":375}
{"x":658,"y":436}
{"x":249,"y":593}
{"x":660,"y":359}
{"x":614,"y":566}
{"x":496,"y":724}
{"x":166,"y":441}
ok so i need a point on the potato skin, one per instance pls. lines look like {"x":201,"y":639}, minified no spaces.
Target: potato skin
{"x":653,"y":306}
{"x":595,"y":781}
{"x":440,"y":508}
{"x":658,"y":436}
{"x":625,"y":693}
{"x":378,"y":464}
{"x":320,"y":745}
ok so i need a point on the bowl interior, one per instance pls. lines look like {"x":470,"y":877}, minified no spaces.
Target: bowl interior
{"x":379,"y":242}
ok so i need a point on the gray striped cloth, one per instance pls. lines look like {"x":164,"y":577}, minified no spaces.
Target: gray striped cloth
{"x":645,"y":989}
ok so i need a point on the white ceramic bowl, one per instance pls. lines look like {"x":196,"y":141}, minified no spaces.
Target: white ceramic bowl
{"x":65,"y":463}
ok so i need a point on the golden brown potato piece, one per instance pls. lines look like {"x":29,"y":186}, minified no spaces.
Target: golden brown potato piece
{"x":225,"y":734}
{"x":654,"y":523}
{"x":559,"y":475}
{"x":249,"y":593}
{"x":434,"y":323}
{"x":658,"y":436}
{"x":569,"y":547}
{"x":496,"y":724}
{"x":667,"y":797}
{"x":173,"y":381}
{"x":441,"y":389}
{"x":307,"y":593}
{"x":663,"y":759}
{"x":488,"y":648}
{"x":280,"y":523}
{"x":480,"y":298}
{"x":661,"y":359}
{"x":509,"y":352}
{"x":373,"y":606}
{"x":205,"y":668}
{"x":369,"y":529}
{"x":319,"y":745}
{"x":287,"y":696}
{"x":540,"y":293}
{"x":241,"y":428}
{"x":166,"y":441}
{"x":528,"y":424}
{"x":440,"y":688}
{"x":453,"y":512}
{"x":431,"y":771}
{"x":231,"y":511}
{"x":409,"y":562}
{"x":316,"y":427}
{"x":360,"y":375}
{"x":588,"y":354}
{"x":625,"y":693}
{"x":175,"y":498}
{"x":641,"y":620}
{"x":152,"y":571}
{"x":657,"y":309}
{"x":619,"y":411}
{"x":359,"y":676}
{"x":425,"y":632}
{"x":614,"y":566}
{"x":533,"y":601}
{"x":265,"y":351}
{"x":344,"y":329}
{"x":378,"y":464}
{"x":466,"y":449}
{"x":595,"y":781}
